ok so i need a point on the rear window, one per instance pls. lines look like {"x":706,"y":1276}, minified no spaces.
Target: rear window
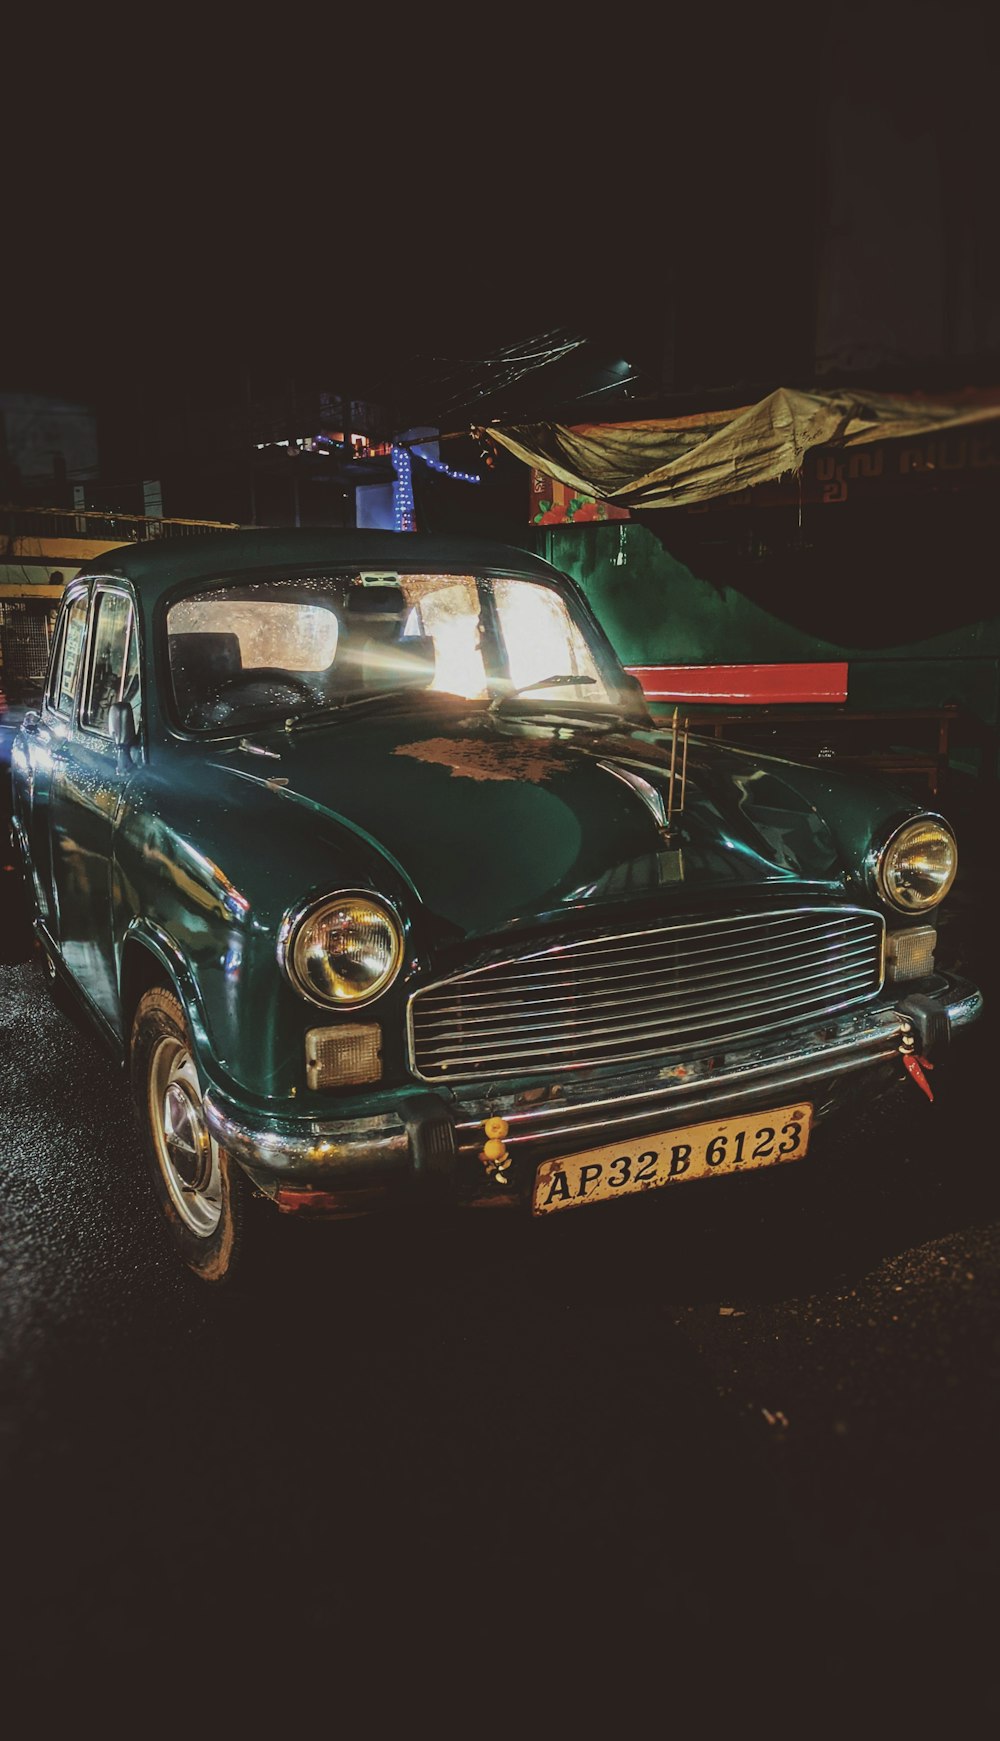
{"x":297,"y":637}
{"x":66,"y":671}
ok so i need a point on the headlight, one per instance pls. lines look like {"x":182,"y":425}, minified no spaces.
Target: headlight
{"x":344,"y":950}
{"x":916,"y":867}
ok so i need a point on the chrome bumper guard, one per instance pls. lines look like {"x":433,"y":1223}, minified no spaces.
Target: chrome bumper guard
{"x":395,"y":1149}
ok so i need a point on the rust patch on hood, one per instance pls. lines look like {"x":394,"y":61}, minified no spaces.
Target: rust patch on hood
{"x":489,"y":758}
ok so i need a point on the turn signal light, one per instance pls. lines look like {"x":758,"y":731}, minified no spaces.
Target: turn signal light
{"x":910,"y":954}
{"x":345,"y":1056}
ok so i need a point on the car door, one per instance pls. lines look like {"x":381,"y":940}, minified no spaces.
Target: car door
{"x":90,"y":776}
{"x":44,"y":736}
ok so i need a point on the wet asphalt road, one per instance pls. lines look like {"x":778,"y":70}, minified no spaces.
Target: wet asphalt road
{"x":748,"y":1437}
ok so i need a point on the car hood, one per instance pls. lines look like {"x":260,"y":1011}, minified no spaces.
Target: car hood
{"x":496,"y":820}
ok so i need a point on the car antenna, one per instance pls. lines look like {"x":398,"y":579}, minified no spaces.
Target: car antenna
{"x":678,"y":731}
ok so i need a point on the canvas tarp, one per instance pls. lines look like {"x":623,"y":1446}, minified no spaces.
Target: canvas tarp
{"x":666,"y":464}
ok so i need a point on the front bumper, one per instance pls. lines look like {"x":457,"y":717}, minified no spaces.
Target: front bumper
{"x":430,"y":1144}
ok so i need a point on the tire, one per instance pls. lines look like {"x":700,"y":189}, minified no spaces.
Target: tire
{"x":21,"y":909}
{"x":50,"y":974}
{"x":16,"y":909}
{"x":55,"y":983}
{"x":202,"y":1194}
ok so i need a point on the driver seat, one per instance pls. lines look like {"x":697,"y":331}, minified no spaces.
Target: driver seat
{"x":199,"y":665}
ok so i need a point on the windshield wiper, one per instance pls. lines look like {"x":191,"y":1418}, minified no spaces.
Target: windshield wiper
{"x":539,"y":683}
{"x":589,"y":716}
{"x":371,"y":697}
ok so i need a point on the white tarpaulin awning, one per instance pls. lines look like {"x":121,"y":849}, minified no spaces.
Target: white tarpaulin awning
{"x":671,"y":463}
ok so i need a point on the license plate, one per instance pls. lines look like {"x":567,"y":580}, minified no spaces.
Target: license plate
{"x":698,"y":1151}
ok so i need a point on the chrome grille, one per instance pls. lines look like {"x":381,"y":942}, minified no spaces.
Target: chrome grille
{"x":667,"y":992}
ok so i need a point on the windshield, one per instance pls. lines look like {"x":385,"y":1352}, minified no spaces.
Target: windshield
{"x":245,"y":652}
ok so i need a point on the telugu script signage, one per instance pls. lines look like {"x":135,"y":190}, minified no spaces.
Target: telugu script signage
{"x":557,"y":504}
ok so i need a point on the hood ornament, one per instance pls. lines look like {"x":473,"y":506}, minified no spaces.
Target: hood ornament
{"x":665,"y":816}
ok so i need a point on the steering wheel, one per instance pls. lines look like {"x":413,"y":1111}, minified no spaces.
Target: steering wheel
{"x":223,"y":704}
{"x":265,"y":674}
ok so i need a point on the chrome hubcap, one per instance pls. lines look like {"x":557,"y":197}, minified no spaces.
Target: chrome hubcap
{"x":185,"y":1148}
{"x":187,"y":1140}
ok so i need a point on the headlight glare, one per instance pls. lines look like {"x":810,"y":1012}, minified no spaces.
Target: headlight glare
{"x":917,"y":866}
{"x":344,"y":951}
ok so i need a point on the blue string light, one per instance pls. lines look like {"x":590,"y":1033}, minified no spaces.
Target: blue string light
{"x":438,"y":465}
{"x":404,"y":511}
{"x":323,"y":441}
{"x":403,"y":506}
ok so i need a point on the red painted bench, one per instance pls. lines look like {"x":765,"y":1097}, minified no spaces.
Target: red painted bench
{"x":798,"y":710}
{"x":744,"y":685}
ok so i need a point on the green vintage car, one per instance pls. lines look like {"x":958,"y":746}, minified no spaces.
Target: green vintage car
{"x":365,"y":855}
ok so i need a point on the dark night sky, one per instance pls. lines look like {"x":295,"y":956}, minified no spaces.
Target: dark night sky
{"x":348,"y":194}
{"x":307,"y":278}
{"x":335,"y":199}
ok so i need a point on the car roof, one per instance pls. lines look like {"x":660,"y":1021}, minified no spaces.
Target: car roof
{"x":159,"y":566}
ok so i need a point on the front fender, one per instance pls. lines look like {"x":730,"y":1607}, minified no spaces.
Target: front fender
{"x":210,"y":914}
{"x":157,"y":946}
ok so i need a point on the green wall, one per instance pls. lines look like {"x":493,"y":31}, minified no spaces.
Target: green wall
{"x":657,"y":610}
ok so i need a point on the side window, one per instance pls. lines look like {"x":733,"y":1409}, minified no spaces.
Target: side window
{"x":66,"y":666}
{"x":542,"y":639}
{"x":131,"y":688}
{"x":450,"y":615}
{"x":109,"y":650}
{"x":55,"y":659}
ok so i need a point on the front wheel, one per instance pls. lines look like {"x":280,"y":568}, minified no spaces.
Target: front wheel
{"x":200,"y":1190}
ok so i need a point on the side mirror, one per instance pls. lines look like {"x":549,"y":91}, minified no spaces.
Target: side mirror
{"x":634,"y":696}
{"x":121,"y":728}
